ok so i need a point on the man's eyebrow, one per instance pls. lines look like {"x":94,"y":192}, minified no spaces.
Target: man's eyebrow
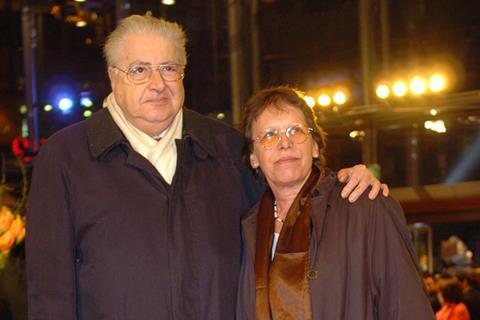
{"x":145,"y":63}
{"x":138,"y":62}
{"x":170,"y":62}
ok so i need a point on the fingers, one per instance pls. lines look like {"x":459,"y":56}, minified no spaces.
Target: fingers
{"x":358,"y":179}
{"x":354,"y":176}
{"x":375,"y":190}
{"x":347,"y":190}
{"x":343,"y":175}
{"x":360,"y":188}
{"x":352,"y":187}
{"x":385,"y":189}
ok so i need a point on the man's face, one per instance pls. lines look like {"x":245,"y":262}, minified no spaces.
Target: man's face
{"x":151,"y":106}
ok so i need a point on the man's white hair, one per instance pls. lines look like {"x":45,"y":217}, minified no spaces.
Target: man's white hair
{"x":137,"y":24}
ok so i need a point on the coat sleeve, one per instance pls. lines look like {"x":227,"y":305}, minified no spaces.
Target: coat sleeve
{"x":398,"y":287}
{"x":50,"y":253}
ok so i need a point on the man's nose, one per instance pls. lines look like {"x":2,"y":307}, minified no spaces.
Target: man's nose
{"x":156,"y":80}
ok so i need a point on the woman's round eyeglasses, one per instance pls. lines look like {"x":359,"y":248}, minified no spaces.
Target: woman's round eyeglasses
{"x":295,"y":134}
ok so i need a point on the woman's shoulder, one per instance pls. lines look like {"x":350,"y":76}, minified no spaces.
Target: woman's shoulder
{"x":460,"y":311}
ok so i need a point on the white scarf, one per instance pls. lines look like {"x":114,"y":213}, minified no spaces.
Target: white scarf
{"x":162,"y":154}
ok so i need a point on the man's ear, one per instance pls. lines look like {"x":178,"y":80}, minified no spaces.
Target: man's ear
{"x":111,"y":76}
{"x":253,"y":161}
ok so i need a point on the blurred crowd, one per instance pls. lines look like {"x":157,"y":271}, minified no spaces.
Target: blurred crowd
{"x":454,"y":296}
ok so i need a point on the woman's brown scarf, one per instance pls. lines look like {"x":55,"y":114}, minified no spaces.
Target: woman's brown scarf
{"x":281,"y":286}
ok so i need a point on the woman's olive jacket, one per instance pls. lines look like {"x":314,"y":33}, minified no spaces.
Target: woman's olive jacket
{"x":362,"y":264}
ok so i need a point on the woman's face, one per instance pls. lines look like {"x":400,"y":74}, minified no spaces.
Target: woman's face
{"x":286,"y":164}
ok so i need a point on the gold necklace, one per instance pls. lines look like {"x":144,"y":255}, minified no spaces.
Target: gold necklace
{"x":275,"y":212}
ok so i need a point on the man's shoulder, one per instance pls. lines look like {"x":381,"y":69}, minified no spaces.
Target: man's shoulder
{"x":69,"y":135}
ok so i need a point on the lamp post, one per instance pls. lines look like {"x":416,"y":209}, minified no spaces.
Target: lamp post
{"x":30,"y":35}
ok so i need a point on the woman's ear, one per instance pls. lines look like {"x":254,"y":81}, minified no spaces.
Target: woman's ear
{"x":316,"y":150}
{"x":253,"y":161}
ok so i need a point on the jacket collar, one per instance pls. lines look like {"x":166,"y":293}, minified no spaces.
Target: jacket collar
{"x":104,"y":135}
{"x":199,"y":130}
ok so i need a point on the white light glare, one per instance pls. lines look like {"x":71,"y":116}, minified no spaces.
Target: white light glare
{"x":324,"y":100}
{"x":86,"y":102}
{"x":418,"y":85}
{"x":310,"y":101}
{"x":437,"y":82}
{"x":65,"y":104}
{"x":168,"y":2}
{"x":383,"y":91}
{"x":437,"y":126}
{"x":340,"y":97}
{"x":357,"y":134}
{"x":399,"y":88}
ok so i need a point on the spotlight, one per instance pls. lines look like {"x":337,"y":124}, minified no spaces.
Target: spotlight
{"x":383,"y":92}
{"x":437,"y":82}
{"x":324,"y":100}
{"x":418,"y":85}
{"x":340,"y":97}
{"x":65,"y":104}
{"x":399,"y":88}
{"x":86,"y":102}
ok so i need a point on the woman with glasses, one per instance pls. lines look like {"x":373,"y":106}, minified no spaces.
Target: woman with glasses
{"x":308,"y":253}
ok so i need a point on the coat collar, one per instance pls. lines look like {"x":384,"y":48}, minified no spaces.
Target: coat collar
{"x":104,"y":135}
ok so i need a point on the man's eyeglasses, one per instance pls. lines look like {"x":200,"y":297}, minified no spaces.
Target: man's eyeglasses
{"x":295,"y":134}
{"x":138,"y":74}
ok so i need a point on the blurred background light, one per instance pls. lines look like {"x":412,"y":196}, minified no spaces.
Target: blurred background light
{"x":324,"y":100}
{"x":86,"y":102}
{"x":309,"y":100}
{"x":80,"y":24}
{"x":437,"y":126}
{"x":340,"y":97}
{"x":356,"y":134}
{"x":23,"y":109}
{"x":65,"y":104}
{"x":24,"y":128}
{"x":399,"y":88}
{"x":467,"y":163}
{"x":47,"y":108}
{"x":418,"y":85}
{"x":437,"y":82}
{"x":383,"y":92}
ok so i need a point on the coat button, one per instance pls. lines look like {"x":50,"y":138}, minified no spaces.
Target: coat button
{"x":312,"y":274}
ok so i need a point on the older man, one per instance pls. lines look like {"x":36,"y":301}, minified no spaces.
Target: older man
{"x":135,"y":213}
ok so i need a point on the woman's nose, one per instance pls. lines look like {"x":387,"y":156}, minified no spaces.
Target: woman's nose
{"x":284,"y":140}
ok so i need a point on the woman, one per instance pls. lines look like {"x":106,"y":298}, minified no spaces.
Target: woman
{"x":309,"y":254}
{"x":450,"y":296}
